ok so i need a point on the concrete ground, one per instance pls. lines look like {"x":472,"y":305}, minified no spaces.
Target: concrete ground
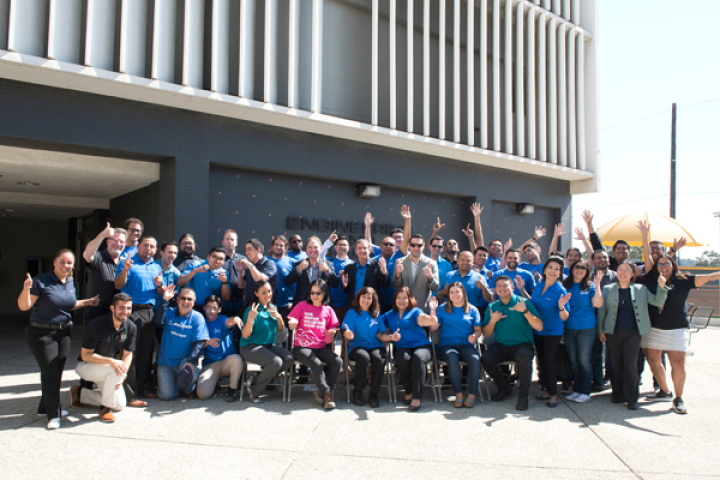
{"x":299,"y":440}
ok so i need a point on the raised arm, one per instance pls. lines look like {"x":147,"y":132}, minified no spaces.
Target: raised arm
{"x":470,"y":236}
{"x":557,"y":233}
{"x":407,"y":229}
{"x":91,"y":249}
{"x":477,"y":210}
{"x":539,"y":233}
{"x":328,"y":244}
{"x":579,"y":235}
{"x":26,"y":300}
{"x":701,"y":280}
{"x":587,"y":217}
{"x":436,"y":228}
{"x":644,"y":228}
{"x":677,"y":245}
{"x":369,"y":219}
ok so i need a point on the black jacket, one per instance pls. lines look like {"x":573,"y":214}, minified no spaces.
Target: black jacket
{"x":302,"y":280}
{"x":373,"y":278}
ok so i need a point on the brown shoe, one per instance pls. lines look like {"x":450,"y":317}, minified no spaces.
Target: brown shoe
{"x":136,"y":403}
{"x":75,"y":394}
{"x":149,"y":395}
{"x":106,"y":415}
{"x":329,"y":400}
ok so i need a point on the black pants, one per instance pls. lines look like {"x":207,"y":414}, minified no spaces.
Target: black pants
{"x":547,"y":348}
{"x":137,"y":377}
{"x":411,"y":364}
{"x":313,"y":358}
{"x":521,"y":354}
{"x":50,"y":349}
{"x":623,"y":347}
{"x":361,"y":357}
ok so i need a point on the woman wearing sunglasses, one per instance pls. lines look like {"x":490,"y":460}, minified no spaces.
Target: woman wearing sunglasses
{"x":670,"y":328}
{"x":314,"y":324}
{"x":585,"y":297}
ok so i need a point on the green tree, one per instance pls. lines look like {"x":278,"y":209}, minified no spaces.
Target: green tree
{"x":709,"y":258}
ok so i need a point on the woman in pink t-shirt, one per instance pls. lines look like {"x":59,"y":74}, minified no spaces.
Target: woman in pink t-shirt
{"x":314,"y":324}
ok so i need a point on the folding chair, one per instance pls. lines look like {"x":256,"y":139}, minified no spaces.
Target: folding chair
{"x":511,"y":364}
{"x":291,"y":373}
{"x":435,"y":338}
{"x":393,"y":369}
{"x":700,"y":319}
{"x":347,"y":363}
{"x":280,"y":338}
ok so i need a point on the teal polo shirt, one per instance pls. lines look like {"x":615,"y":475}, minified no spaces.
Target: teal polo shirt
{"x":514,"y":329}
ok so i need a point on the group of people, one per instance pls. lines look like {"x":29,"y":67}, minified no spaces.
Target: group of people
{"x":176,"y":325}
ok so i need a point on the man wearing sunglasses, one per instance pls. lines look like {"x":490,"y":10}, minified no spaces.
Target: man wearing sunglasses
{"x":436,"y":247}
{"x":417,"y":272}
{"x":295,"y":250}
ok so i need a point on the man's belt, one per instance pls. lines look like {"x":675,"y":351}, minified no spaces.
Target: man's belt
{"x":142,"y":307}
{"x":51,"y":326}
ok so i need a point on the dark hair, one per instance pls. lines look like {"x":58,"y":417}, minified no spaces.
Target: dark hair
{"x":148,"y":237}
{"x":256,"y":288}
{"x":374,"y":306}
{"x":501,"y":278}
{"x":171,"y":243}
{"x":437,"y":237}
{"x":256,"y":244}
{"x":397,"y":230}
{"x":484,"y":249}
{"x":510,"y":250}
{"x":532,"y":245}
{"x":120,"y":297}
{"x":342,"y":237}
{"x":187,"y":235}
{"x":449,"y":305}
{"x":599,"y":250}
{"x":557,"y":253}
{"x":620,"y":242}
{"x":191,"y":290}
{"x":214,"y":298}
{"x":496,"y":240}
{"x":135,"y":220}
{"x":418,"y":236}
{"x":412,"y":303}
{"x":320,"y":283}
{"x":552,"y":259}
{"x":675,"y":273}
{"x":217,"y":250}
{"x":570,"y":280}
{"x":573,"y":249}
{"x":632,"y":265}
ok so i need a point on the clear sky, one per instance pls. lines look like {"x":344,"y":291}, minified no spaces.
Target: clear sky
{"x":654,"y":53}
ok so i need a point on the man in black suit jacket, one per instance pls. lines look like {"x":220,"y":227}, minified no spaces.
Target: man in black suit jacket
{"x":308,"y":269}
{"x":376,"y":273}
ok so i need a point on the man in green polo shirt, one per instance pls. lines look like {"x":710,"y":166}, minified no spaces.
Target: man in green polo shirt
{"x":512,"y":320}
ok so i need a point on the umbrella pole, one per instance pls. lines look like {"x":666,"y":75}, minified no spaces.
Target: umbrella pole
{"x":673,"y":162}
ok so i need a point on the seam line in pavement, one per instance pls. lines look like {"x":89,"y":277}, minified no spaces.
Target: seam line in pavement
{"x":602,"y":440}
{"x":302,"y":447}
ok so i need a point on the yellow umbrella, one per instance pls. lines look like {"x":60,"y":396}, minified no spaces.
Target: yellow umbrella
{"x":662,"y":229}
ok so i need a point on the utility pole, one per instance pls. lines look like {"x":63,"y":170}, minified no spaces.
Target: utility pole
{"x":672,"y":160}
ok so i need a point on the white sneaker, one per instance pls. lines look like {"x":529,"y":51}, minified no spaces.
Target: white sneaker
{"x":53,"y":424}
{"x":63,"y":413}
{"x":582,"y":398}
{"x":572,"y":396}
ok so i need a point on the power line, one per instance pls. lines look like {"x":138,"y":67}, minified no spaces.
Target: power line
{"x":649,"y":198}
{"x":658,"y":113}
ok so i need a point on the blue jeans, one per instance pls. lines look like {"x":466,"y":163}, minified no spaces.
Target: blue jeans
{"x":167,"y":380}
{"x":579,"y":347}
{"x":452,"y":354}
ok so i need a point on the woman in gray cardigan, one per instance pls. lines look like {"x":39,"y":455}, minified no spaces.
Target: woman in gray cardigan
{"x":622,"y":320}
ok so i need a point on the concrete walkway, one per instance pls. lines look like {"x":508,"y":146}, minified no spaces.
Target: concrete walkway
{"x":276,"y":440}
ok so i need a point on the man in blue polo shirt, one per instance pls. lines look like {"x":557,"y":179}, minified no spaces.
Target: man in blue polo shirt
{"x":391,"y":251}
{"x":436,"y":246}
{"x":341,"y":260}
{"x":295,"y":248}
{"x":284,"y":265}
{"x":477,"y":292}
{"x":136,"y":277}
{"x":511,"y":270}
{"x":184,"y":336}
{"x":135,"y":229}
{"x":207,"y":278}
{"x":511,"y":320}
{"x":533,"y":264}
{"x":170,"y":274}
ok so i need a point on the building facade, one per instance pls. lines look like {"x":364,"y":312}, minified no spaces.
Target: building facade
{"x":268,"y":117}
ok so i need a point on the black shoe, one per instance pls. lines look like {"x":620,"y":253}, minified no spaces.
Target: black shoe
{"x":231,"y":395}
{"x":270,"y":388}
{"x":632,"y":406}
{"x":413,"y":408}
{"x":598,"y":388}
{"x":358,"y":398}
{"x":406,"y":401}
{"x":502,"y":395}
{"x":522,"y":403}
{"x":616,"y":400}
{"x":374,"y":401}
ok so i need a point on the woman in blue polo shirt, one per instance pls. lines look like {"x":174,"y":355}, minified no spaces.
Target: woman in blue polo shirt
{"x":51,"y":296}
{"x":363,"y":328}
{"x":585,"y":297}
{"x":460,"y":325}
{"x":262,"y":323}
{"x":550,"y":299}
{"x":413,"y":351}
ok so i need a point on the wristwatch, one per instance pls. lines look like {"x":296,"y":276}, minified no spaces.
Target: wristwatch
{"x":525,"y":311}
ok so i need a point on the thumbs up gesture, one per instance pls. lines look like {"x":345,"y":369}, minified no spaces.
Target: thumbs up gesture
{"x":395,"y":337}
{"x":303,"y":265}
{"x":108,"y":231}
{"x":398,"y":267}
{"x":158,"y":281}
{"x":27,"y":284}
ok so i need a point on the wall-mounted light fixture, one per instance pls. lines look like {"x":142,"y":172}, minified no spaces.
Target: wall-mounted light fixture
{"x":369,"y":191}
{"x":525,"y":209}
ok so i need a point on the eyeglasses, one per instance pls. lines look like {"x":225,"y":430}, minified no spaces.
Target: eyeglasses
{"x":316,"y":293}
{"x":187,"y":243}
{"x":186,"y":299}
{"x":215,"y":257}
{"x":436,"y":246}
{"x":295,"y":241}
{"x":388,"y":244}
{"x":134,"y":230}
{"x":416,"y":245}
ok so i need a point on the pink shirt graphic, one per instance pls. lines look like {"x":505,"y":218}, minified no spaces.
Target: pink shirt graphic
{"x":313,"y":324}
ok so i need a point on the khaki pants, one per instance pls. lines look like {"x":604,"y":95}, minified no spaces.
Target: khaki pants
{"x":231,"y":365}
{"x":106,"y":379}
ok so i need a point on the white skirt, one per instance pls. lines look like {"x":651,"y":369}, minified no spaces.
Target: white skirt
{"x":676,"y":340}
